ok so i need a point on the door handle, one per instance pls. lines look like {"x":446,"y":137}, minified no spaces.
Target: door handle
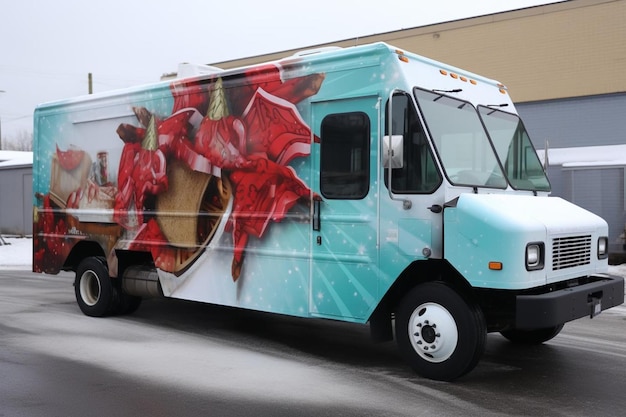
{"x":317,"y":200}
{"x":435,"y":208}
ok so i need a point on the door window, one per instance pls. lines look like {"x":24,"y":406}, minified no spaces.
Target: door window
{"x":418,"y":172}
{"x":345,"y":150}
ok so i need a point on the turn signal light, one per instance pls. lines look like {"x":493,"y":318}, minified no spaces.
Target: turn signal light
{"x":495,"y":266}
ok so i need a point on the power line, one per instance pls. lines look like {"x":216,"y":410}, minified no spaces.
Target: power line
{"x":100,"y":78}
{"x":12,"y":118}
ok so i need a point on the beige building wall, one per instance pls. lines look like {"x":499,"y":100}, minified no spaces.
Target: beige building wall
{"x":567,"y":49}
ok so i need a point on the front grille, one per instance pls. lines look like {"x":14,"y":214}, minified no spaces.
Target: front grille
{"x":571,"y":251}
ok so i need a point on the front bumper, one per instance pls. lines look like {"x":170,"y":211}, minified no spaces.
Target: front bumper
{"x":558,"y":307}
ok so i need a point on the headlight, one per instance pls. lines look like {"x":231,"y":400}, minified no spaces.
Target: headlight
{"x":534,"y":256}
{"x":603,"y":247}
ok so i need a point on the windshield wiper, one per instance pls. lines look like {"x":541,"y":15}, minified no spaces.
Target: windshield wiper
{"x":456,"y":90}
{"x":495,"y":105}
{"x":440,"y":96}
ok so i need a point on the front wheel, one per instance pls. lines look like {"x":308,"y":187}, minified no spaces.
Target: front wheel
{"x":440,"y":334}
{"x":94,"y":290}
{"x":532,"y":337}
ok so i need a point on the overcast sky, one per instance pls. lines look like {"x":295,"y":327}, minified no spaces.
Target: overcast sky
{"x":47,"y":48}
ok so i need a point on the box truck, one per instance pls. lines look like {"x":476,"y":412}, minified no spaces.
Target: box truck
{"x":364,"y":184}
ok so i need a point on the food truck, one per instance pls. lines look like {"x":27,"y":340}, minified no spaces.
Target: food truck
{"x":364,"y":184}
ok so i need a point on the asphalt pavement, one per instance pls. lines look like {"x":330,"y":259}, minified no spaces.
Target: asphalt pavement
{"x":174,"y":358}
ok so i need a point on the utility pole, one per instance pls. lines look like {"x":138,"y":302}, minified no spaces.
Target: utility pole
{"x":90,"y":82}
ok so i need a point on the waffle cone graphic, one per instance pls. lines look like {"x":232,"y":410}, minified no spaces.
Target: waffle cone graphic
{"x":193,"y":207}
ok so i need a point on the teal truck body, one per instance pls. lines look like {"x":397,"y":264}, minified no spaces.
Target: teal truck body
{"x":365,"y":184}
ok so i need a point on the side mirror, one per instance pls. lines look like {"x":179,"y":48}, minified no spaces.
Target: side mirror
{"x":393,"y":151}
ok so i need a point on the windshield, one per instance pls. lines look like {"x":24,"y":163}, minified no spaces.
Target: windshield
{"x":516,"y":152}
{"x":462,"y":144}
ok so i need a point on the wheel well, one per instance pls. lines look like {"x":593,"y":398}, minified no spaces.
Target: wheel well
{"x":416,"y":273}
{"x":126,"y":258}
{"x":420,"y":272}
{"x":80,"y":251}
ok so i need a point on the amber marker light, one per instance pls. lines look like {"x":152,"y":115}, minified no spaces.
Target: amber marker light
{"x":495,"y":266}
{"x":401,"y":56}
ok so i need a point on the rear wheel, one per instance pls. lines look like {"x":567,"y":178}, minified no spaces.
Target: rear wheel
{"x":93,"y":288}
{"x":128,"y":303}
{"x":532,"y":337}
{"x":440,"y":334}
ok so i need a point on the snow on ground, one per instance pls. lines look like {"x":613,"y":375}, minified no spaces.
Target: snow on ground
{"x":618,"y":269}
{"x":18,"y":254}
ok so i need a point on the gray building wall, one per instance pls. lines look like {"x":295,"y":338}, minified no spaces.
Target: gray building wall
{"x":16,"y":201}
{"x":580,"y":122}
{"x":601,"y":191}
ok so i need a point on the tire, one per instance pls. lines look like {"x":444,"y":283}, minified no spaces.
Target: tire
{"x":128,"y":303}
{"x":440,"y":334}
{"x":532,"y":337}
{"x":94,"y":290}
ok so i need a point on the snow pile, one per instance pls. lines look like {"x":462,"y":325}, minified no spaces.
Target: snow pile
{"x":15,"y":158}
{"x":585,"y":156}
{"x":16,"y":254}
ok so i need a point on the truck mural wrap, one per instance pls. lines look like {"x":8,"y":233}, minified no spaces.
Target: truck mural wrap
{"x":364,"y":184}
{"x":250,"y":151}
{"x":226,"y":172}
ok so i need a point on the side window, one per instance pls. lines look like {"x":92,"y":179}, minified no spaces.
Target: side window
{"x":419,"y":173}
{"x":345,"y":150}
